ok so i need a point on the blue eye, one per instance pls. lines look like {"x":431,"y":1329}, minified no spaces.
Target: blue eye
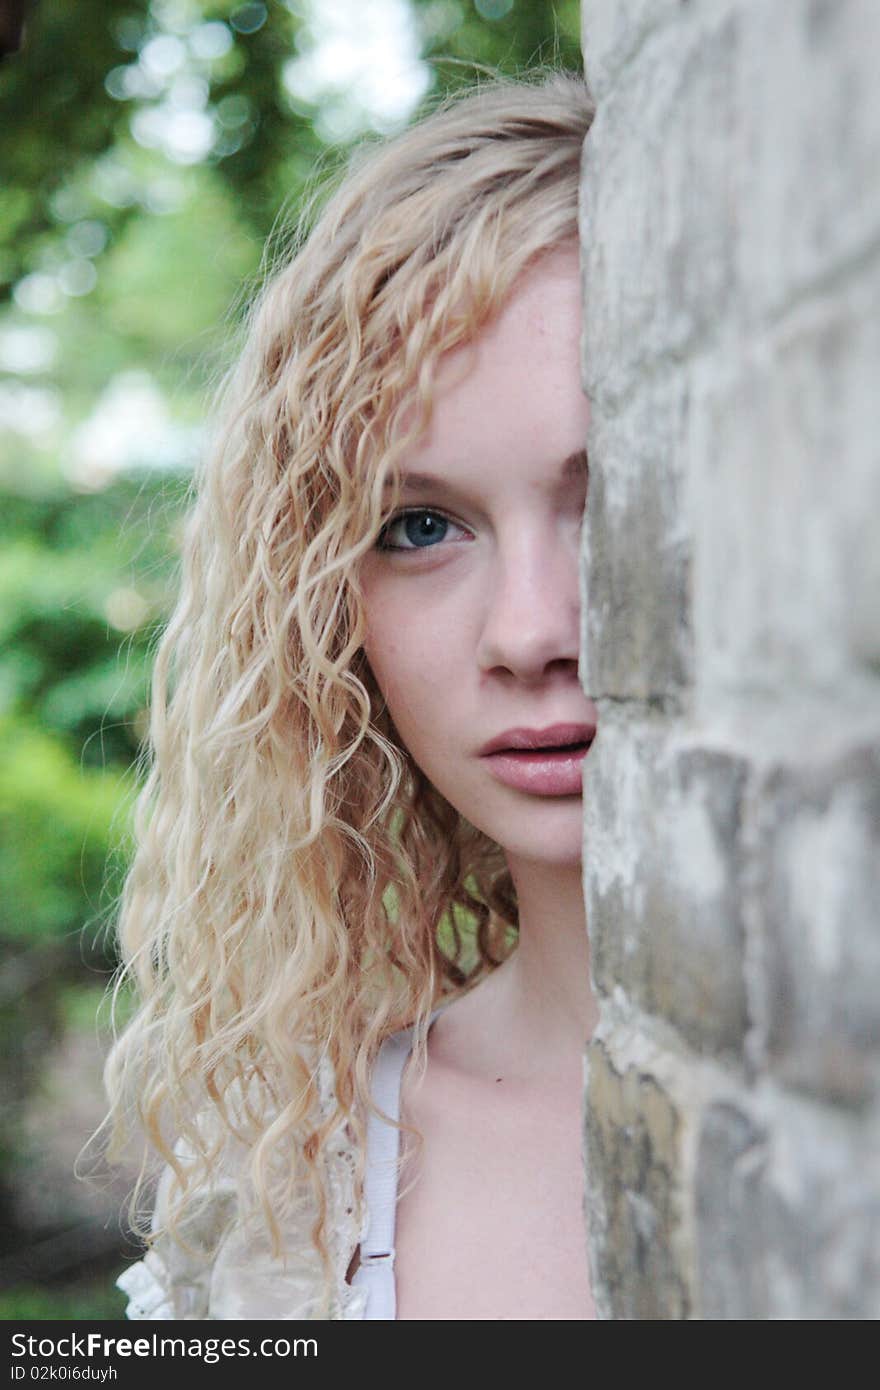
{"x":415,"y":529}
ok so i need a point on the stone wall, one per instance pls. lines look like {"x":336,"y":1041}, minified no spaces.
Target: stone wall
{"x":731,"y":640}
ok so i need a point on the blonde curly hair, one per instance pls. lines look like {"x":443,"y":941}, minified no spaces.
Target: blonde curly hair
{"x":297,"y":882}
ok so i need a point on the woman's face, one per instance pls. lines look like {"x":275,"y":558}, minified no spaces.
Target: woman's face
{"x":472,"y":594}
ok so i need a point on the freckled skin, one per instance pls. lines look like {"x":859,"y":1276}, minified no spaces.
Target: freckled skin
{"x":478,"y":631}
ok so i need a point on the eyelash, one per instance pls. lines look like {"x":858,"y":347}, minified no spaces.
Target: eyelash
{"x":382,"y":544}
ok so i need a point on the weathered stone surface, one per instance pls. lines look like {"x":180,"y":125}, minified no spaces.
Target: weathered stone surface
{"x":730,"y":218}
{"x":663,"y":875}
{"x":716,"y":191}
{"x":784,"y":476}
{"x":788,"y":1215}
{"x":660,"y":201}
{"x":814,"y":980}
{"x":634,"y":1134}
{"x":611,"y":33}
{"x":731,"y":1153}
{"x":807,"y":145}
{"x":636,"y":638}
{"x":694,"y":568}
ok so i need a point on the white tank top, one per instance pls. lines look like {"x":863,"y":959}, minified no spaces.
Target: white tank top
{"x":375,"y":1273}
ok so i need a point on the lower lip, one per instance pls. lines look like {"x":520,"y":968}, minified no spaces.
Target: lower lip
{"x":540,"y":772}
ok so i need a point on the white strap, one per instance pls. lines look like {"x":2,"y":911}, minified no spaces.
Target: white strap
{"x":375,"y":1272}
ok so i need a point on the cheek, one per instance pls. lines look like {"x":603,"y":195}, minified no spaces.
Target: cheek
{"x":404,"y":651}
{"x":388,"y":644}
{"x":399,"y":668}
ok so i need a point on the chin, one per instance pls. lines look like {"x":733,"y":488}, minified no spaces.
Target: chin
{"x":541,"y":830}
{"x":553,"y":858}
{"x":559,"y":845}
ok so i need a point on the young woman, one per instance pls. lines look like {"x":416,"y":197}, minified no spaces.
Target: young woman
{"x":356,"y":897}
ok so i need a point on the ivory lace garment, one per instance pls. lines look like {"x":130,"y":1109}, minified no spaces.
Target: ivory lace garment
{"x":240,"y":1279}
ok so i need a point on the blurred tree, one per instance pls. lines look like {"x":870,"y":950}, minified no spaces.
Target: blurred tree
{"x":90,"y":73}
{"x":12,"y":17}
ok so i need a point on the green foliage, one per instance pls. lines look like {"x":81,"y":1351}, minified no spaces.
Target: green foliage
{"x":97,"y":1301}
{"x":168,"y":283}
{"x":86,"y":1006}
{"x":84,"y":583}
{"x":56,"y":831}
{"x":69,"y":50}
{"x":522,"y":35}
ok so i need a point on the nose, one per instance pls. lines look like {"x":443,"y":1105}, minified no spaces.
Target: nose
{"x":531,"y":618}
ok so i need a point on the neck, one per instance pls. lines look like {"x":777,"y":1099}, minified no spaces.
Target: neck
{"x":534,"y":1014}
{"x":550,"y":970}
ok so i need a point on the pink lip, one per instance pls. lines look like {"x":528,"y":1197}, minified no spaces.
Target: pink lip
{"x":522,"y":758}
{"x":552,"y":736}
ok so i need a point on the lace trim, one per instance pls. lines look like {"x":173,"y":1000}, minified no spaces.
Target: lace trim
{"x":148,"y":1297}
{"x":180,"y":1287}
{"x":340,"y":1171}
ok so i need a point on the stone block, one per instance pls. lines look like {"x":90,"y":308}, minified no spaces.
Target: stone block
{"x":732,"y":1265}
{"x":661,"y":197}
{"x":636,"y":631}
{"x":783,"y":499}
{"x":808,"y":145}
{"x":634,"y":1134}
{"x":663,"y":875}
{"x":611,"y":32}
{"x":730,"y":172}
{"x":814,"y":975}
{"x":787,"y":1211}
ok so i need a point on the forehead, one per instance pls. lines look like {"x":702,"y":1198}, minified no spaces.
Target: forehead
{"x":513,"y":393}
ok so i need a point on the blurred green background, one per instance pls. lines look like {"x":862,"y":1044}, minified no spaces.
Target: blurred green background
{"x":146,"y":152}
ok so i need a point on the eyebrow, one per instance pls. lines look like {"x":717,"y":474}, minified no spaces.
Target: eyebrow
{"x":575,"y":466}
